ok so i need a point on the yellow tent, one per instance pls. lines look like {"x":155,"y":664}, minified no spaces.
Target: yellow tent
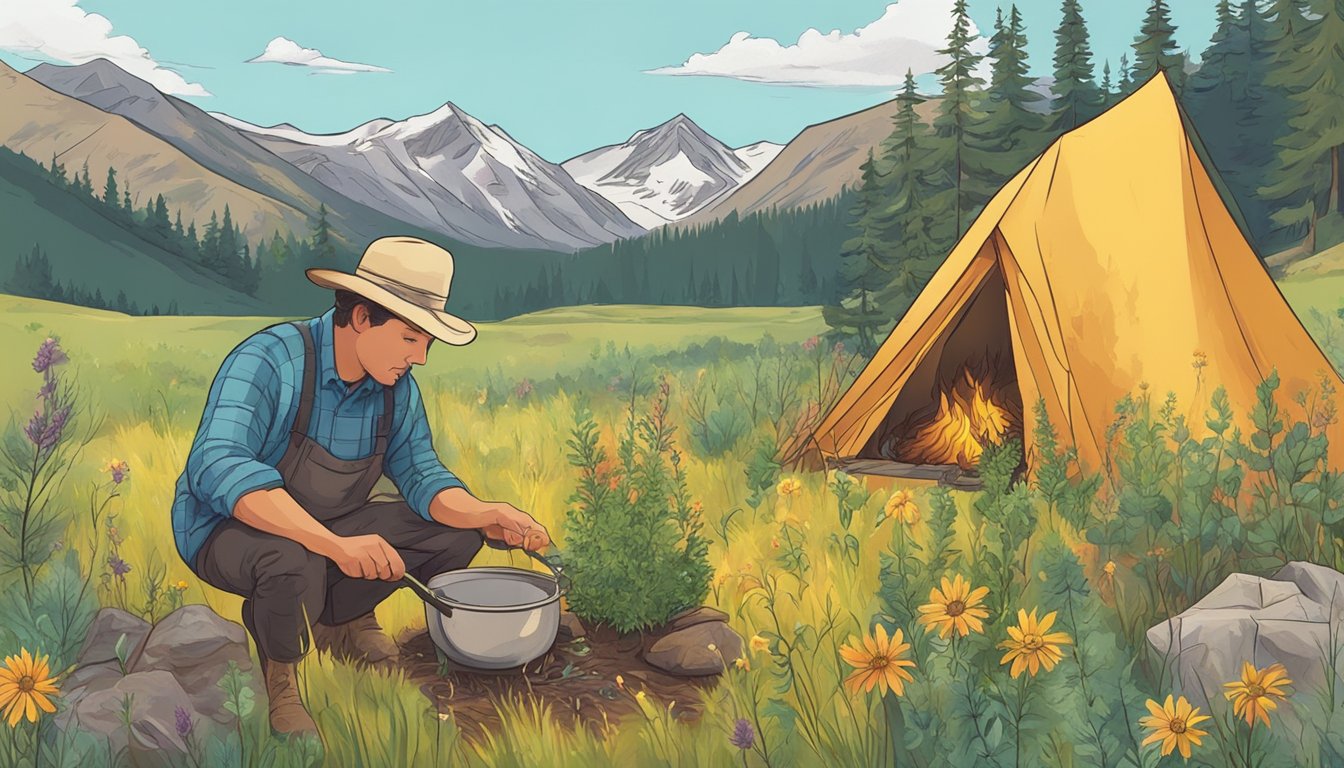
{"x":1108,"y":263}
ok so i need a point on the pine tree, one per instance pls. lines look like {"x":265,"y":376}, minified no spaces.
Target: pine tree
{"x":210,"y":255}
{"x":126,"y":207}
{"x":162,"y":226}
{"x":1012,"y":131}
{"x":1076,"y":98}
{"x":1126,"y":84}
{"x":1238,"y":115}
{"x":1155,"y":48}
{"x":178,"y":234}
{"x":85,"y":183}
{"x":1108,"y":95}
{"x":959,"y":126}
{"x":865,"y":263}
{"x":1312,"y":155}
{"x":229,"y":265}
{"x":323,"y":249}
{"x":191,"y":245}
{"x":110,"y":197}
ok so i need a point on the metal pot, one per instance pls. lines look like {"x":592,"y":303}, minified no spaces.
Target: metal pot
{"x":493,"y":617}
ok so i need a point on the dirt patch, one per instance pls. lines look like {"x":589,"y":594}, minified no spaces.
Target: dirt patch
{"x":576,"y":679}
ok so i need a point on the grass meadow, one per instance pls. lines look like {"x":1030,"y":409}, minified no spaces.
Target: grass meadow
{"x":819,"y":571}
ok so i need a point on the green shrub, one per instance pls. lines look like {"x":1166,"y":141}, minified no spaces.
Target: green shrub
{"x":634,"y":547}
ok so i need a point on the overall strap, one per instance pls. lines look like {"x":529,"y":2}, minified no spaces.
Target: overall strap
{"x":384,"y":422}
{"x":309,"y":376}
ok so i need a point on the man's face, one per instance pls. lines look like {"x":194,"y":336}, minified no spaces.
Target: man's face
{"x":389,"y":350}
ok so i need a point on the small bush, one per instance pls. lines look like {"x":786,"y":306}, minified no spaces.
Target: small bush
{"x":635,"y":551}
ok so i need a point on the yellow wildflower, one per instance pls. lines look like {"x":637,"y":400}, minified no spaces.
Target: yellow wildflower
{"x":878,"y":661}
{"x":1253,"y":696}
{"x":1174,"y":726}
{"x":25,"y":683}
{"x":789,"y":486}
{"x":1032,"y":645}
{"x":955,"y":607}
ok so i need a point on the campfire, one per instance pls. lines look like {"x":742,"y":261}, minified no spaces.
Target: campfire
{"x":979,"y":406}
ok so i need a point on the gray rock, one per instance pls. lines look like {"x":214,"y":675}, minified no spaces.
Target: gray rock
{"x":101,"y":641}
{"x":686,"y":652}
{"x":154,"y":700}
{"x":1285,"y":619}
{"x":196,"y":645}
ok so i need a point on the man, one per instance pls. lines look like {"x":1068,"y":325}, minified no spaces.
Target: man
{"x":301,"y":421}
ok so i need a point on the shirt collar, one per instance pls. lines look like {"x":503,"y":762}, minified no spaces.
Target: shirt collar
{"x":324,"y":330}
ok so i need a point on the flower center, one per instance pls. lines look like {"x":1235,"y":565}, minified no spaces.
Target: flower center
{"x":878,"y":662}
{"x":1255,"y":691}
{"x":26,"y":683}
{"x":1032,"y":642}
{"x":1177,"y":725}
{"x":956,"y":608}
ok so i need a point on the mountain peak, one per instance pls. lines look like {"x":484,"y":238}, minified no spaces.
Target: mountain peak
{"x":91,"y":76}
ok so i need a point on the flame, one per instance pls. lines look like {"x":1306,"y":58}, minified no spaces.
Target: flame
{"x":972,"y":413}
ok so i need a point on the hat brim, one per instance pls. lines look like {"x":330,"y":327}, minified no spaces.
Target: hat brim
{"x":437,"y":323}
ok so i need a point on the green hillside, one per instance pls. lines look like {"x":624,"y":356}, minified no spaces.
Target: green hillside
{"x":90,"y":252}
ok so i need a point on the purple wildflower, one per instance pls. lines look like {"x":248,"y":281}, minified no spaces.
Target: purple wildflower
{"x":119,"y":567}
{"x":184,"y":724}
{"x":744,"y":736}
{"x":34,"y":428}
{"x":52,"y":434}
{"x":839,"y":348}
{"x":811,"y":343}
{"x":523,"y":389}
{"x":48,"y":388}
{"x":119,"y":470}
{"x":48,"y":354}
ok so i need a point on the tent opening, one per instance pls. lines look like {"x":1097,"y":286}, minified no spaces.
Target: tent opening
{"x":961,"y":397}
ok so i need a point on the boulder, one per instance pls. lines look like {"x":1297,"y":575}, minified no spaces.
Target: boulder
{"x":686,"y":652}
{"x":101,"y":641}
{"x":195,"y":645}
{"x":1285,"y":619}
{"x":154,"y":698}
{"x":690,"y":617}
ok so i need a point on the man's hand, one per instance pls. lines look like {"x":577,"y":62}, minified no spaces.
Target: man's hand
{"x":366,"y":557}
{"x":516,"y":528}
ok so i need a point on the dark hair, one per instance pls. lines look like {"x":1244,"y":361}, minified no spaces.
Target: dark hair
{"x":346,"y":301}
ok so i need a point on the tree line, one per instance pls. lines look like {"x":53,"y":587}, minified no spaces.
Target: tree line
{"x":1264,"y":101}
{"x":32,"y":277}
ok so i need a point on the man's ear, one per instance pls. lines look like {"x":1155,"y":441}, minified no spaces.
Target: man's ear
{"x":359,"y":318}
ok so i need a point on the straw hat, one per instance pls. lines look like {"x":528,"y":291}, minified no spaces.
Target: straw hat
{"x":408,"y":276}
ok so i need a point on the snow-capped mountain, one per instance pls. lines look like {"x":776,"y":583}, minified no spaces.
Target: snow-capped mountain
{"x":666,"y":173}
{"x":449,"y":172}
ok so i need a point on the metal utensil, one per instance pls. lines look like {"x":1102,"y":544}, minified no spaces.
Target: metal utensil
{"x":494,"y":617}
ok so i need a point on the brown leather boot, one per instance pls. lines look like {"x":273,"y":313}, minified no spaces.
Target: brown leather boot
{"x":360,"y":641}
{"x":288,"y":715}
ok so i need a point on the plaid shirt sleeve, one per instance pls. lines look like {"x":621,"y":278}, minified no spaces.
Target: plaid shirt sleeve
{"x":224,"y":463}
{"x":411,"y":462}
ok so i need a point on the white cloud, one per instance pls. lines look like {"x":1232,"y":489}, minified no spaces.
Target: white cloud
{"x":907,"y":36}
{"x":60,"y":31}
{"x":282,"y":50}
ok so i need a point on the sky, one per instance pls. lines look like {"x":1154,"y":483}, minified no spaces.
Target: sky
{"x":560,"y":76}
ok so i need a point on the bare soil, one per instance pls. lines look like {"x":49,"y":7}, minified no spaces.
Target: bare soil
{"x":575,"y":680}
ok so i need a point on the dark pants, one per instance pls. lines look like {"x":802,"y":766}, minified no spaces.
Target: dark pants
{"x":287,"y":587}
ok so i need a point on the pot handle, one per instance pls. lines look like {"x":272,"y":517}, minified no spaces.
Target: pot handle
{"x":552,"y":562}
{"x":424,"y":593}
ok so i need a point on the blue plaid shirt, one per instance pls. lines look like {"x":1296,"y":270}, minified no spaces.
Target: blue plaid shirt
{"x":251,"y":409}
